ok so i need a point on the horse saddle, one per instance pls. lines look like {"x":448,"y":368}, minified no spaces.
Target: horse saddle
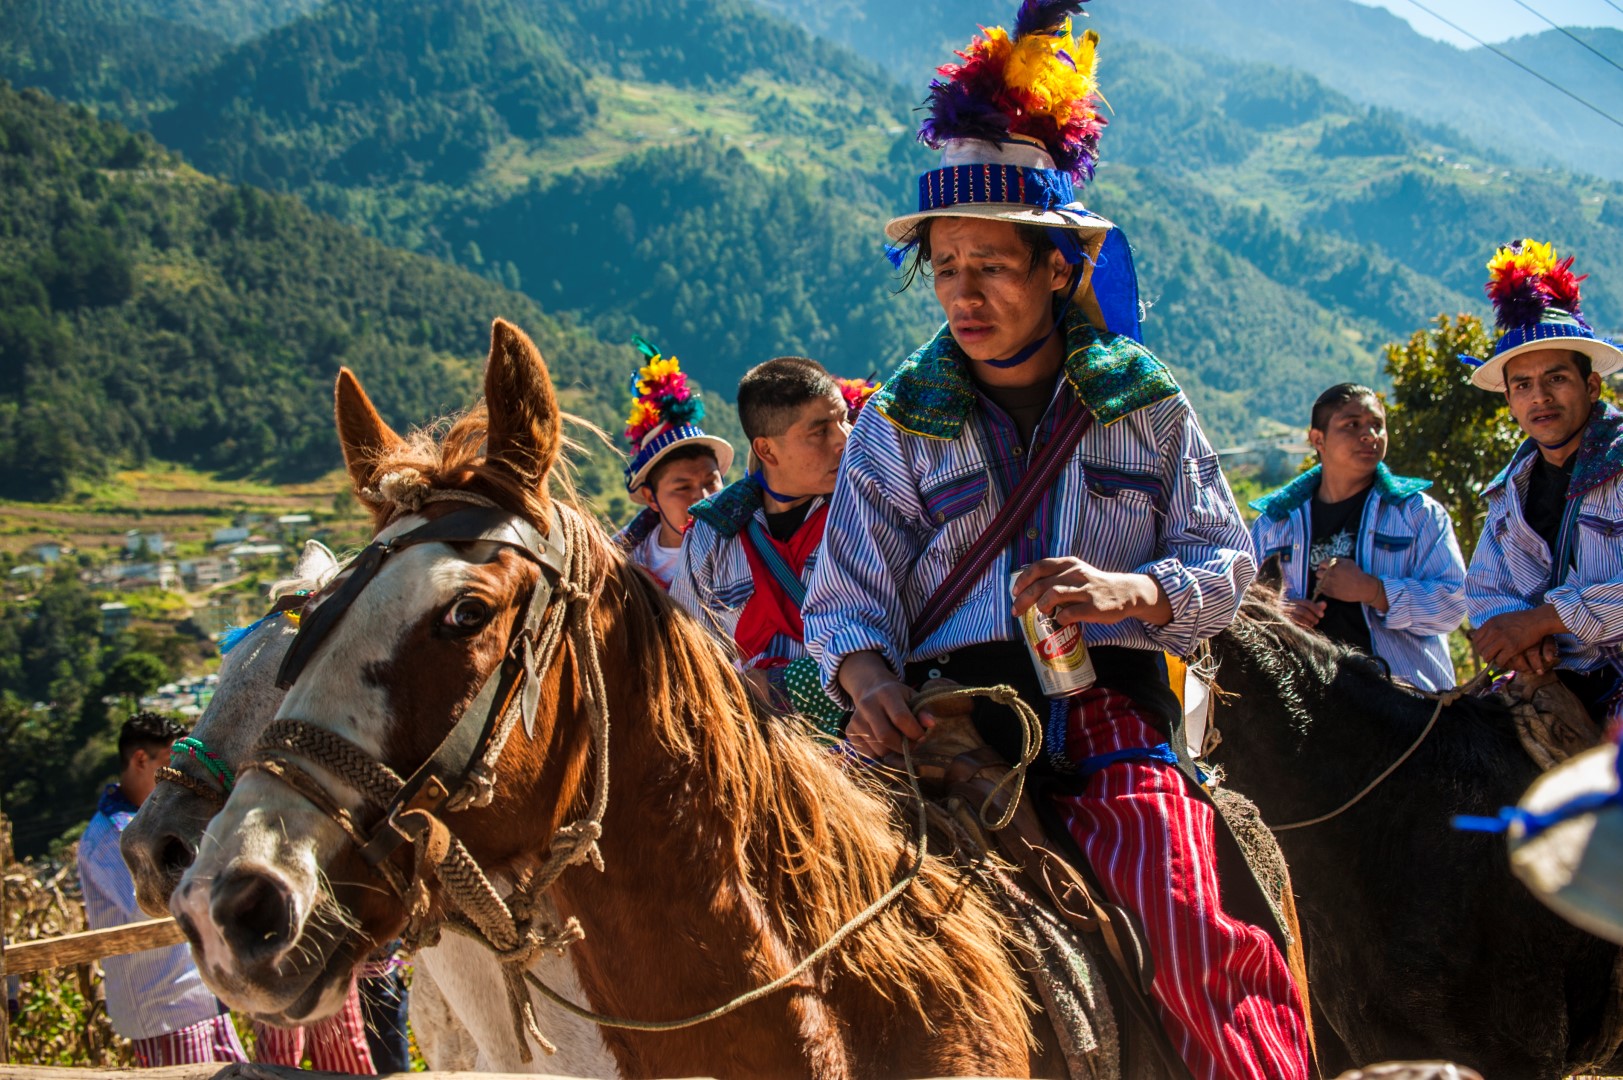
{"x":982,"y":804}
{"x":1551,"y":722}
{"x":965,"y":778}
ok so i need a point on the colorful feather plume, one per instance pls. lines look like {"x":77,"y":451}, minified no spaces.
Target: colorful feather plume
{"x":660,"y":395}
{"x":1526,"y":279}
{"x":856,"y":393}
{"x":1040,"y":84}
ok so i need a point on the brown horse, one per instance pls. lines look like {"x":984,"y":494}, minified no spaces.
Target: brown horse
{"x":733,"y":845}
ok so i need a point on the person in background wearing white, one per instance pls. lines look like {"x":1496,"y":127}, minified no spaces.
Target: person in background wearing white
{"x":155,"y":998}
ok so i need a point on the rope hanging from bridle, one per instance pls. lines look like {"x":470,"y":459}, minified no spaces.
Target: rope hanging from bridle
{"x":1444,"y":700}
{"x":516,"y":928}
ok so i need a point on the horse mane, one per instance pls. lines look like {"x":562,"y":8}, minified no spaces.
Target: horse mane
{"x":781,"y":802}
{"x":810,"y":843}
{"x":1294,"y":659}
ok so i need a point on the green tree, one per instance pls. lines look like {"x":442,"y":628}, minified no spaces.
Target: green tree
{"x":1445,"y":429}
{"x":135,"y":674}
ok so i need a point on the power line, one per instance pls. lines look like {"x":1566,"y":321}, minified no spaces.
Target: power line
{"x":1504,"y":55}
{"x":1570,"y":34}
{"x":1613,"y":6}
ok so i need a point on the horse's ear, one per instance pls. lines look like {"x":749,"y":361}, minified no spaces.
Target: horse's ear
{"x":525,"y":425}
{"x":366,"y":439}
{"x":316,"y":562}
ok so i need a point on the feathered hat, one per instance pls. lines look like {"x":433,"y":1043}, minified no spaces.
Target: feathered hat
{"x":1535,"y":298}
{"x":1018,"y":125}
{"x":665,"y":414}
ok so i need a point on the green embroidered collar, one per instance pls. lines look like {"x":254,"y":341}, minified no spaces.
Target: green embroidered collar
{"x":932,"y":394}
{"x":1280,"y":504}
{"x":729,"y":510}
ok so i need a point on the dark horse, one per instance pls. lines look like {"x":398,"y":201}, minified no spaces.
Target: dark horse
{"x":1420,"y":943}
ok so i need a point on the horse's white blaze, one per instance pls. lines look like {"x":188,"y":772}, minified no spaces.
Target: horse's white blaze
{"x":271,"y":829}
{"x":282,"y":837}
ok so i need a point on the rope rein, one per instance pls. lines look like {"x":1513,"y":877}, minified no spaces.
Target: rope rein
{"x":517,"y":929}
{"x":822,"y":952}
{"x":1031,"y":734}
{"x":1444,"y":700}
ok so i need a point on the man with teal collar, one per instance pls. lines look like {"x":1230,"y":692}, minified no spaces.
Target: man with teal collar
{"x":1034,"y":455}
{"x":1545,"y":588}
{"x":1368,"y":559}
{"x":751,"y":547}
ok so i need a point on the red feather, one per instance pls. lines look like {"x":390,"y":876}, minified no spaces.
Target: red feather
{"x":1562,"y":287}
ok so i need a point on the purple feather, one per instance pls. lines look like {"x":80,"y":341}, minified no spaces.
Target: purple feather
{"x":1044,"y":16}
{"x":1522,"y":307}
{"x":957,"y":113}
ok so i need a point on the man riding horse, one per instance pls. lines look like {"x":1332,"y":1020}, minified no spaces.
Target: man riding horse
{"x":1037,"y":395}
{"x":751,"y":546}
{"x":1545,"y":587}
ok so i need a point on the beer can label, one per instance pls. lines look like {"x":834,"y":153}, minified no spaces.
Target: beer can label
{"x":1059,"y":653}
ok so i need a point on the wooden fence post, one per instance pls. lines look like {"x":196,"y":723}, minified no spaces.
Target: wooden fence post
{"x":5,"y":980}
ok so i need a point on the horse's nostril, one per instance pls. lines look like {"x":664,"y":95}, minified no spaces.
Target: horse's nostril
{"x":254,"y":912}
{"x":174,"y":856}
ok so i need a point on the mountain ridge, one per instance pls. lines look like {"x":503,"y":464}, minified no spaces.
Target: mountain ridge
{"x":732,"y":211}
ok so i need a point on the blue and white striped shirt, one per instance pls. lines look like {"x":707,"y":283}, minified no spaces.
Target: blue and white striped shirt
{"x":148,"y":993}
{"x":930,"y":462}
{"x":1513,"y":570}
{"x":713,"y":580}
{"x":1406,"y":539}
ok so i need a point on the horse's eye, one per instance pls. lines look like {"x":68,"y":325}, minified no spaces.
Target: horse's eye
{"x":467,"y":614}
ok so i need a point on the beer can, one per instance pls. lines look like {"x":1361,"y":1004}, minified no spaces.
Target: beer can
{"x":1059,"y":653}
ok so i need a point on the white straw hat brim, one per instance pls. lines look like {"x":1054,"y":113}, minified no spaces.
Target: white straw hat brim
{"x":723,"y":450}
{"x":1606,"y":358}
{"x":901,"y":230}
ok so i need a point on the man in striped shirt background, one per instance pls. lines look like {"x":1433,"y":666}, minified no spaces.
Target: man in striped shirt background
{"x":155,"y":998}
{"x":1545,"y":586}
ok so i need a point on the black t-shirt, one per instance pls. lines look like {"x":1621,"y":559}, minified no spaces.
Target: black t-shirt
{"x":786,"y":523}
{"x":1335,"y":536}
{"x":1546,"y":498}
{"x":1024,"y":404}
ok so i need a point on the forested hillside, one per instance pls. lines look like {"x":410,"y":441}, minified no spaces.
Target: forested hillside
{"x":1400,"y":199}
{"x":149,"y":310}
{"x":113,"y":54}
{"x":714,"y":177}
{"x":1361,"y":50}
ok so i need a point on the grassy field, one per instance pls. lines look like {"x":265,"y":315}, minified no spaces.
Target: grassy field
{"x":185,"y":506}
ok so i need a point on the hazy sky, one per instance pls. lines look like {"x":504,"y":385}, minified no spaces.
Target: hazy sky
{"x":1496,"y":20}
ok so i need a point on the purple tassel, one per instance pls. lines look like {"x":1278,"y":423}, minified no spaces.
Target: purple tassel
{"x":1044,"y":16}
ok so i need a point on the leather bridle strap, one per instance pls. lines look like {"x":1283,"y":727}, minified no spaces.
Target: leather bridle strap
{"x":453,"y":772}
{"x":472,"y":525}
